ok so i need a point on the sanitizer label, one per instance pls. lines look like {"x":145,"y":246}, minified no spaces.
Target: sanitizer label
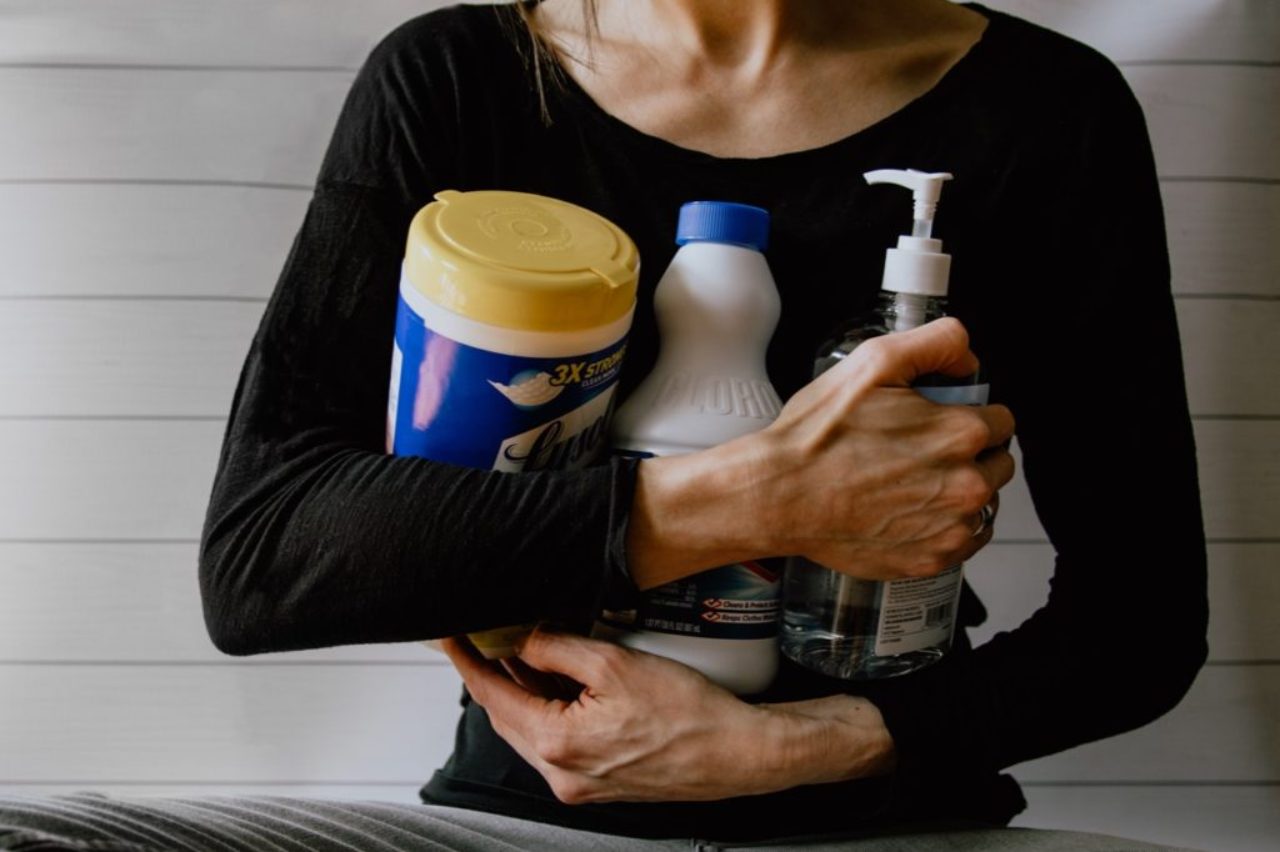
{"x":918,"y":613}
{"x":955,"y":394}
{"x":470,"y":406}
{"x":732,"y":602}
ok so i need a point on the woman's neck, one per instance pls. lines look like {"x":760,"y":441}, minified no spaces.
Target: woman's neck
{"x":727,"y":33}
{"x":745,"y":37}
{"x":757,"y":77}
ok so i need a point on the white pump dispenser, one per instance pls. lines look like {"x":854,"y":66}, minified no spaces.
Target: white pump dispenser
{"x":860,"y":629}
{"x":918,"y":264}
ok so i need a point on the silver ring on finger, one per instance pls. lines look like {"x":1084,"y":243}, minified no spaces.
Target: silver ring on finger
{"x":985,"y":516}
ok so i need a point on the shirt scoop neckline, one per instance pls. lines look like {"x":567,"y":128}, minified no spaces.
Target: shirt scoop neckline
{"x":968,"y":63}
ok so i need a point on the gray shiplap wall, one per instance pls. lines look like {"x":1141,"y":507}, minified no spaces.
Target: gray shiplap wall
{"x":175,"y":140}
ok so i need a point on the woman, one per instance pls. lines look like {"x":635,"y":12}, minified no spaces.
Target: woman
{"x":315,"y":538}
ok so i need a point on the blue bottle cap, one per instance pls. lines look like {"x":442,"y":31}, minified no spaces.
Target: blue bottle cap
{"x":723,"y":222}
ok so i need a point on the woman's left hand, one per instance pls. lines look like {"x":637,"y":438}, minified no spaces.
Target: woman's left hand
{"x":644,"y":728}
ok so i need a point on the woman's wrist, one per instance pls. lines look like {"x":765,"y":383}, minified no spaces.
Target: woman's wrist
{"x":698,"y":511}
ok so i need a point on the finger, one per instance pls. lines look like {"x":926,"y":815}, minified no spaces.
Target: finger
{"x":540,"y":683}
{"x":585,"y":660}
{"x":940,"y":346}
{"x":979,"y":541}
{"x":515,"y":735}
{"x":462,"y":653}
{"x":478,"y":673}
{"x":493,"y":690}
{"x":1000,"y":423}
{"x":997,"y":467}
{"x":982,"y":531}
{"x":523,"y":675}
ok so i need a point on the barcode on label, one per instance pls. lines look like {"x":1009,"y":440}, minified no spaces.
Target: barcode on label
{"x":936,"y":615}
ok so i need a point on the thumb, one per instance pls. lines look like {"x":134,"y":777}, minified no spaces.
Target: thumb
{"x":940,"y":346}
{"x":585,"y":660}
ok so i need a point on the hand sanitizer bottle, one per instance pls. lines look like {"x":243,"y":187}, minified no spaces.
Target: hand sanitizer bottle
{"x":861,"y":629}
{"x":716,"y":307}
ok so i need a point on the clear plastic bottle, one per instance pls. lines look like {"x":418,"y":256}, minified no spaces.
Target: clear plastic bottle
{"x":860,"y":629}
{"x":716,"y":306}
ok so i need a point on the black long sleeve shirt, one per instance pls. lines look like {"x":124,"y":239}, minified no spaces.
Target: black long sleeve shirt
{"x":316,"y":537}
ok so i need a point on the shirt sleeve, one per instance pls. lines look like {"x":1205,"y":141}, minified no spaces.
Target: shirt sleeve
{"x":1093,"y":363}
{"x":314,"y":536}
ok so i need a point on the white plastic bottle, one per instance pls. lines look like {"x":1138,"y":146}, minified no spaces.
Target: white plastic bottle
{"x":717,"y":307}
{"x":861,"y":629}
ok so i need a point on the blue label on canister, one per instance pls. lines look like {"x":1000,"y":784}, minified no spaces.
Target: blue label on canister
{"x":470,"y":406}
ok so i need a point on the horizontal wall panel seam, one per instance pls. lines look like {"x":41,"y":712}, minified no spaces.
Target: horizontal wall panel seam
{"x":99,"y":541}
{"x":126,"y":541}
{"x":147,"y":66}
{"x":193,"y":182}
{"x":417,"y":782}
{"x":126,"y":297}
{"x":1231,"y":297}
{"x":262,"y":300}
{"x":127,"y":418}
{"x":301,"y":187}
{"x":1262,"y":181}
{"x":425,"y":663}
{"x":217,"y":418}
{"x":1150,"y":783}
{"x":1211,"y":63}
{"x":347,"y":69}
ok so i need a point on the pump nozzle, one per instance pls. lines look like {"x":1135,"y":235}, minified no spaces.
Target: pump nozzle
{"x":917,"y":265}
{"x":926,"y":188}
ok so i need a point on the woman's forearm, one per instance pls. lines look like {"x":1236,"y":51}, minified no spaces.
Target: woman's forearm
{"x":645,"y":728}
{"x":837,"y":738}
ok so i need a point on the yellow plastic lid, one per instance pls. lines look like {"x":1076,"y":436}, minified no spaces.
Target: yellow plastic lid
{"x":519,"y":260}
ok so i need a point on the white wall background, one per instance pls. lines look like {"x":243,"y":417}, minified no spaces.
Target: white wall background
{"x":155,"y":157}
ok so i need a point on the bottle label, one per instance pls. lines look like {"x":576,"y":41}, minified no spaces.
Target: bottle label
{"x":732,"y":602}
{"x":723,"y":396}
{"x":469,"y":406}
{"x":920,"y":613}
{"x":954,"y":394}
{"x":917,"y":613}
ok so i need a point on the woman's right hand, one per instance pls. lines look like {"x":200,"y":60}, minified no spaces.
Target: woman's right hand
{"x":859,"y":473}
{"x":866,"y":476}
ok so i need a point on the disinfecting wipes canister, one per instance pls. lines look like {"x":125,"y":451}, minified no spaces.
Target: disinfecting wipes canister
{"x":510,"y":333}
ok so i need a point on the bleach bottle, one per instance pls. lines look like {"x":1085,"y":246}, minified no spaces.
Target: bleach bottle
{"x":717,"y":307}
{"x":862,"y":629}
{"x":510,"y":333}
